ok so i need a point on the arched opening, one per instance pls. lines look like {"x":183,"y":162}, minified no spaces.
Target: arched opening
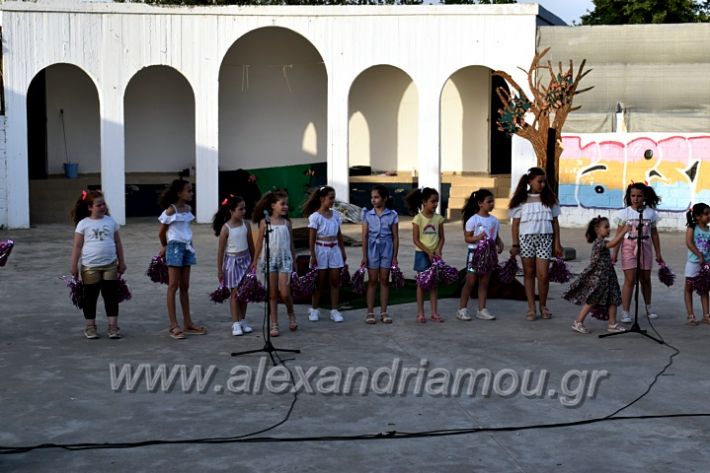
{"x":63,"y":127}
{"x":383,"y":129}
{"x":470,"y":140}
{"x":273,"y":111}
{"x":159,"y":110}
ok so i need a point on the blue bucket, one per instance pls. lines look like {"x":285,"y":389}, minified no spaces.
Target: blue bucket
{"x":71,"y":170}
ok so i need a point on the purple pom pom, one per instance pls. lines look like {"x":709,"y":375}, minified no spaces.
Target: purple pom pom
{"x":396,"y":277}
{"x":344,"y":276}
{"x":250,"y":289}
{"x":358,"y":280}
{"x":307,"y":283}
{"x":220,"y":295}
{"x":559,"y":271}
{"x":509,"y":270}
{"x":665,"y":275}
{"x":5,"y":250}
{"x":485,"y":256}
{"x":701,"y":282}
{"x":76,"y":290}
{"x":158,"y":270}
{"x":427,"y":278}
{"x":445,"y":274}
{"x":599,"y":312}
{"x":124,"y":294}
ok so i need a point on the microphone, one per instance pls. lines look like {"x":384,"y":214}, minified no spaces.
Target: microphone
{"x":267,"y":216}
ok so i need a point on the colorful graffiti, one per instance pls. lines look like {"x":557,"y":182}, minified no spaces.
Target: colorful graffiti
{"x":595,"y":169}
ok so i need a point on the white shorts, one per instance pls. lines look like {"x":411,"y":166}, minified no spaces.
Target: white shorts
{"x":691,"y":269}
{"x":329,"y":257}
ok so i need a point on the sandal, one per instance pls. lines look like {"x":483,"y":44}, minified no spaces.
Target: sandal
{"x":706,"y":319}
{"x":437,"y":318}
{"x":195,"y":330}
{"x":385,"y":318}
{"x":691,"y":320}
{"x":274,"y":332}
{"x":292,"y":325}
{"x":545,"y":312}
{"x":370,"y":319}
{"x":616,"y":328}
{"x":530,"y":315}
{"x":421,"y":319}
{"x":176,"y":334}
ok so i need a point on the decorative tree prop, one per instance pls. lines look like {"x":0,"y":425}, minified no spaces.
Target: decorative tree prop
{"x":549,"y":107}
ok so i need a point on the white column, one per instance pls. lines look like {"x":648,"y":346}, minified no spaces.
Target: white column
{"x":113,"y":151}
{"x":429,"y":171}
{"x":18,"y":184}
{"x":337,"y":155}
{"x":207,"y":147}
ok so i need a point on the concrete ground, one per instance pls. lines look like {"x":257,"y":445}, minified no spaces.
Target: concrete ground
{"x":56,"y":385}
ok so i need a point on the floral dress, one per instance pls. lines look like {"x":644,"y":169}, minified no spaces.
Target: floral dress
{"x":597,"y":285}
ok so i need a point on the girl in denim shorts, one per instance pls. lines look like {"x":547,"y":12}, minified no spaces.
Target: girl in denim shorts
{"x":380,"y":245}
{"x":176,"y":240}
{"x":281,"y":254}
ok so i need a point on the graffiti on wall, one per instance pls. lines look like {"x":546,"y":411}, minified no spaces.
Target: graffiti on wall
{"x":595,"y":169}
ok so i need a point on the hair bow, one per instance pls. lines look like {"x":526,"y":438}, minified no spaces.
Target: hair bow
{"x":83,"y":195}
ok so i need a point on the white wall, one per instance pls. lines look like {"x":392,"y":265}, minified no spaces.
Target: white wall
{"x":3,"y":172}
{"x":112,"y":41}
{"x":272,"y":102}
{"x":465,"y":121}
{"x":71,"y":90}
{"x":160,"y":121}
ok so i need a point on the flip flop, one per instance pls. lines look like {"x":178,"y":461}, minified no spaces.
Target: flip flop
{"x":195,"y":330}
{"x":176,"y":334}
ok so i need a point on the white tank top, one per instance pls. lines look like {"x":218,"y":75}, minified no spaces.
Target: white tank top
{"x":237,"y":241}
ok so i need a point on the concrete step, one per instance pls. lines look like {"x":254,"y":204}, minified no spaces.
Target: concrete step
{"x":459,"y":202}
{"x":500,"y":211}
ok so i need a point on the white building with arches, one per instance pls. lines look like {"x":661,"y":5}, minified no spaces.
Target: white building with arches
{"x":125,"y":89}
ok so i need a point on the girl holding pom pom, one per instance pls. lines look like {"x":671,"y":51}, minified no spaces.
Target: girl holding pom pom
{"x":536,"y":235}
{"x":235,"y":252}
{"x":428,"y":237}
{"x":640,"y":199}
{"x":281,"y":252}
{"x":327,"y":248}
{"x":481,"y":233}
{"x":597,"y":288}
{"x":697,"y":239}
{"x":380,"y":245}
{"x":176,"y":240}
{"x":98,"y":243}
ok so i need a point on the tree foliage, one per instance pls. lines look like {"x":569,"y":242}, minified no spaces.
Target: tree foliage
{"x":623,"y":12}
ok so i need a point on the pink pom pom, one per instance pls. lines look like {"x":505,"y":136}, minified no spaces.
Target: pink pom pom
{"x":396,"y":277}
{"x":485,"y":256}
{"x":76,"y":290}
{"x":509,"y":270}
{"x":5,"y":250}
{"x":665,"y":275}
{"x":307,"y":283}
{"x":358,"y":280}
{"x":559,"y":271}
{"x":701,"y":282}
{"x":427,"y":278}
{"x":250,"y":289}
{"x":220,"y":295}
{"x":445,"y":274}
{"x":158,"y":270}
{"x":124,"y":294}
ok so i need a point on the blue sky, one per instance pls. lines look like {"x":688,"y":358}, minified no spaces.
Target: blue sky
{"x":568,"y":10}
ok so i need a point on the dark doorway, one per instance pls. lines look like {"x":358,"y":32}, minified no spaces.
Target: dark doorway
{"x":500,"y":141}
{"x":37,"y":126}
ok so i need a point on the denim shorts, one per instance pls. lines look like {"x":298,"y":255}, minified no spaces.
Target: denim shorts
{"x":421,"y":261}
{"x":179,"y":254}
{"x":379,"y":254}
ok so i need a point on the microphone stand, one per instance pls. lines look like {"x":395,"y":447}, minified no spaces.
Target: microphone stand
{"x":635,"y":328}
{"x":268,"y":346}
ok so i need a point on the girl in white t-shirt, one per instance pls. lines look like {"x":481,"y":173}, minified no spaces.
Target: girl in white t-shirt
{"x":235,"y":252}
{"x":481,"y":233}
{"x":640,"y":200}
{"x":327,"y":248}
{"x":98,"y":243}
{"x":536,"y":235}
{"x":176,"y":246}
